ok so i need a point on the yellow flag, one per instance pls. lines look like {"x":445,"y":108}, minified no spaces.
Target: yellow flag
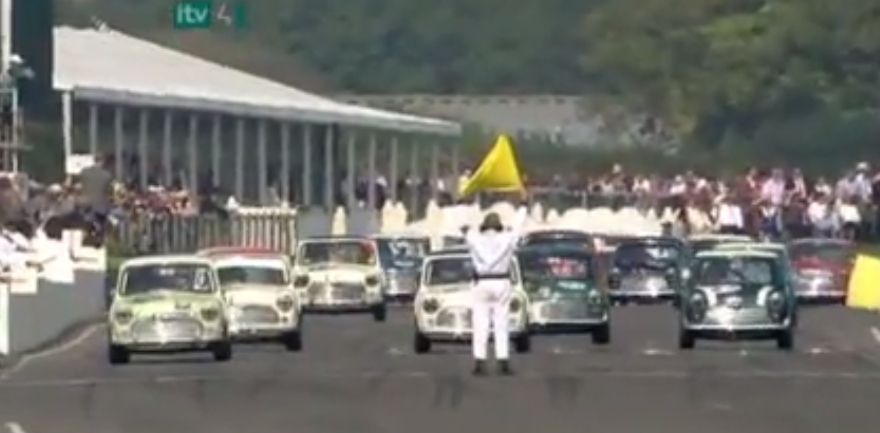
{"x":864,"y":284}
{"x":497,"y":172}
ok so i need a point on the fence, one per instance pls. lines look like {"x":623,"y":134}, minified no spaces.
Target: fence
{"x":164,"y":234}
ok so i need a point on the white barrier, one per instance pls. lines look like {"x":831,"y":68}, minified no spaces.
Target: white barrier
{"x":57,"y":285}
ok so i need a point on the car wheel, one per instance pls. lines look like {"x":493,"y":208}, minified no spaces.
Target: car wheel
{"x":686,"y":339}
{"x":421,"y":343}
{"x":292,"y":341}
{"x":522,"y":343}
{"x":379,"y":313}
{"x":118,"y":354}
{"x":222,"y":351}
{"x":785,"y":339}
{"x":602,"y":334}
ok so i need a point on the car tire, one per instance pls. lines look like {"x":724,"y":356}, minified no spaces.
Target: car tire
{"x":785,"y":339}
{"x":421,"y":343}
{"x":686,"y":339}
{"x":222,"y":351}
{"x":379,"y":313}
{"x":522,"y":343}
{"x":118,"y":355}
{"x":601,"y":335}
{"x":292,"y":341}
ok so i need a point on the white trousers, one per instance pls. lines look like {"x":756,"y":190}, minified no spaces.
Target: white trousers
{"x":491,"y":304}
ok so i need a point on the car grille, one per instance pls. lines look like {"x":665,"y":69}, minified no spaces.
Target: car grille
{"x":743,"y":317}
{"x":348,"y":291}
{"x":454,"y":318}
{"x":403,"y":284}
{"x":258,"y":315}
{"x":564,"y":310}
{"x":316,"y":290}
{"x":643,"y":283}
{"x":167,"y":329}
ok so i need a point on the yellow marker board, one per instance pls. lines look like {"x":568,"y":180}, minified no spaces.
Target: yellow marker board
{"x":497,"y":172}
{"x":864,"y":284}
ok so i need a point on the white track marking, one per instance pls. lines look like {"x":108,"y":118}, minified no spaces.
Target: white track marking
{"x":876,"y":334}
{"x":14,"y":427}
{"x":64,"y":347}
{"x":657,"y":352}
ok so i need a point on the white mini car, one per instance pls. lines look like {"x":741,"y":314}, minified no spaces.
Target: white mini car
{"x":339,"y":274}
{"x":260,"y":300}
{"x":443,"y":303}
{"x":167,"y":304}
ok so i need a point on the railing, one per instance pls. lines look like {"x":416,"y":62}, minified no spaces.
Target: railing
{"x":165,"y":234}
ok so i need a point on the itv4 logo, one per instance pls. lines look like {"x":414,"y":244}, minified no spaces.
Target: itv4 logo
{"x":202,"y":14}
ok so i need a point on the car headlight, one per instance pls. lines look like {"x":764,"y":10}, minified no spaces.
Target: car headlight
{"x":210,"y":314}
{"x":697,"y":307}
{"x":515,"y":305}
{"x":301,"y":281}
{"x":595,"y":301}
{"x":430,"y":306}
{"x":776,"y":305}
{"x":372,"y":280}
{"x":123,"y":317}
{"x":284,"y":303}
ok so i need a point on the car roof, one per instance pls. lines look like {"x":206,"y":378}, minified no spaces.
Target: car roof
{"x":400,"y":236}
{"x":719,"y":237}
{"x":217,"y":252}
{"x":552,"y":248}
{"x":773,"y":246}
{"x":823,"y":241}
{"x":733,"y":253}
{"x":345,"y":238}
{"x":557,"y":233}
{"x":447,"y":253}
{"x":166,"y":259}
{"x":652,"y":240}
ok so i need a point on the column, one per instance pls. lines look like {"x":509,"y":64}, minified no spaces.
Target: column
{"x":167,"y":167}
{"x":93,"y":129}
{"x":329,"y":189}
{"x":67,"y":126}
{"x":239,"y":159}
{"x":350,"y":168}
{"x":434,"y":170}
{"x":193,"y":154}
{"x":143,"y":155}
{"x":307,"y":165}
{"x":456,"y":164}
{"x":413,"y":169}
{"x":371,"y":173}
{"x":216,"y":151}
{"x":285,"y":162}
{"x":118,"y":146}
{"x":262,"y":177}
{"x":392,"y":170}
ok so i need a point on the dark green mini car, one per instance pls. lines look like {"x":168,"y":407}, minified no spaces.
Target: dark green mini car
{"x":737,"y":294}
{"x":565,"y":295}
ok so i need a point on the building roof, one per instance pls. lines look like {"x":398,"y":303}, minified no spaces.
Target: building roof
{"x":113,"y":67}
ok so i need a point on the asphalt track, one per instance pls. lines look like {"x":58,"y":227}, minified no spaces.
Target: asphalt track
{"x":355,"y":375}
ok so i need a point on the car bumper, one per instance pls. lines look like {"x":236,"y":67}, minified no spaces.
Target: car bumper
{"x":245,"y":331}
{"x":341,"y":306}
{"x":168,"y":346}
{"x":568,"y":324}
{"x":824,"y":294}
{"x":646,"y":295}
{"x":737,"y":331}
{"x":451,"y":336}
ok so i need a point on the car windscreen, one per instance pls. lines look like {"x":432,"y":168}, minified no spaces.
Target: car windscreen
{"x":402,"y":253}
{"x":452,"y":270}
{"x":658,"y":256}
{"x":557,"y":272}
{"x":827,"y":252}
{"x":358,"y":252}
{"x":251,"y":275}
{"x":180,"y":277}
{"x":744,"y":272}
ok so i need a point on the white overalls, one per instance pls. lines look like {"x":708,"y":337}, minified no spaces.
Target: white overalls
{"x":492,"y":254}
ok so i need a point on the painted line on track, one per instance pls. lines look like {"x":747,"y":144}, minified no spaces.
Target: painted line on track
{"x":422,"y":375}
{"x":14,"y":427}
{"x":61,"y":348}
{"x":875,"y":332}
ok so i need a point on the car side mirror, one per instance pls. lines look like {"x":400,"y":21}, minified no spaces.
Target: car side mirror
{"x":614,"y":279}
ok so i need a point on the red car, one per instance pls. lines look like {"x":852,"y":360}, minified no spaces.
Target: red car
{"x":822,"y":268}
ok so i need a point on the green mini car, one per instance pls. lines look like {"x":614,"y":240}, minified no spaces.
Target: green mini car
{"x":733,"y":294}
{"x":167,"y":304}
